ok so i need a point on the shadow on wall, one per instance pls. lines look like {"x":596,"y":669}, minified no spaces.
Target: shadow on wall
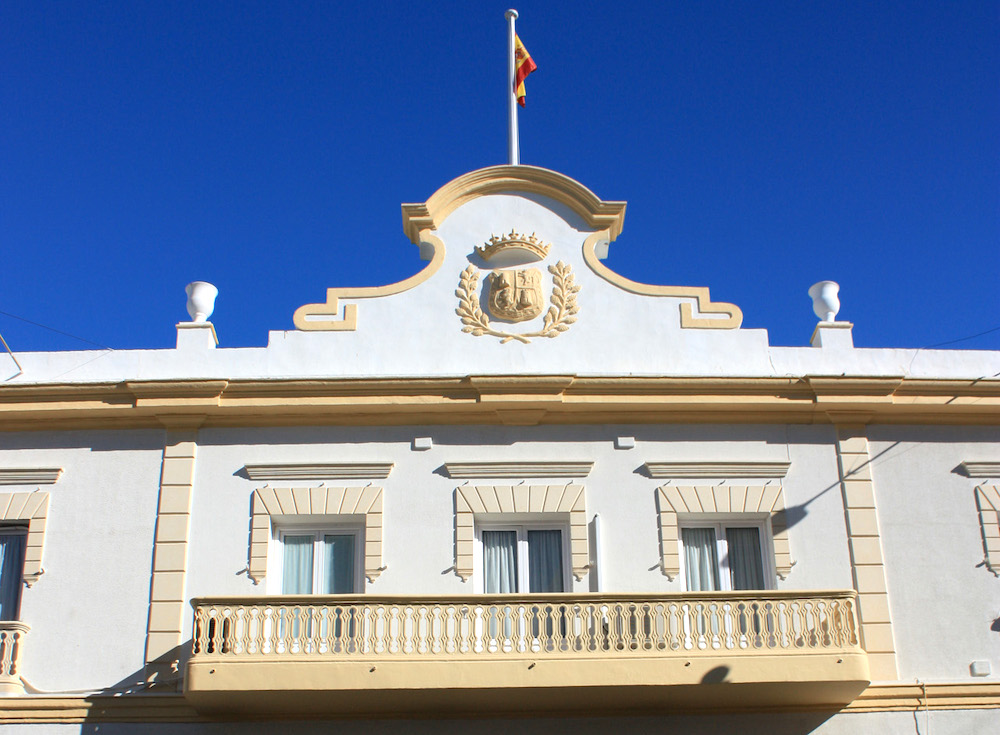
{"x":748,"y":724}
{"x":137,"y":706}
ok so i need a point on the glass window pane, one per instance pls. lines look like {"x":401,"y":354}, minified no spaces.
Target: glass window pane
{"x":701,"y":561}
{"x":338,"y":569}
{"x":11,"y":570}
{"x":500,"y":561}
{"x":545,"y":561}
{"x":746,"y":568}
{"x":297,"y":570}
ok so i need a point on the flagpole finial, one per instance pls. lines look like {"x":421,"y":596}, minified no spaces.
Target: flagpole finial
{"x":510,"y":14}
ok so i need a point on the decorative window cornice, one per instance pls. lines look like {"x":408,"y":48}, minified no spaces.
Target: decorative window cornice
{"x":33,"y":508}
{"x":271,"y":502}
{"x":29,"y":475}
{"x":694,"y":470}
{"x":981,"y":469}
{"x":767,"y":500}
{"x":495,"y":501}
{"x":320,"y":471}
{"x":486,"y":470}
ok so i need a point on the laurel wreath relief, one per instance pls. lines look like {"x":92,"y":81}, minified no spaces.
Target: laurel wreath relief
{"x":557,"y":319}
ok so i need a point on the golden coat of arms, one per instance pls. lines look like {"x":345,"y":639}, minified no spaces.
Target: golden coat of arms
{"x":516,"y":295}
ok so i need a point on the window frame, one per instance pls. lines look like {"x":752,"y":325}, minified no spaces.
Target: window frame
{"x":318,"y":530}
{"x":22,"y":530}
{"x":719,"y":525}
{"x":522,"y":528}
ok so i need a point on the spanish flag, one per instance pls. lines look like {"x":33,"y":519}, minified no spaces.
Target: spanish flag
{"x":523,"y":66}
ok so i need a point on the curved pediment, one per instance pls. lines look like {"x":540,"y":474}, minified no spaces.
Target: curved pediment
{"x":548,"y":216}
{"x":598,"y":214}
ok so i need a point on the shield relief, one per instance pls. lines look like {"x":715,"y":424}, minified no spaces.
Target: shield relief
{"x":516,"y":295}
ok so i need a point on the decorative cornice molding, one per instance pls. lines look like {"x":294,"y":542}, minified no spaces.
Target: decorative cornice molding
{"x":323,"y":317}
{"x":497,"y":399}
{"x":29,"y":475}
{"x":710,"y":314}
{"x":320,"y":471}
{"x":981,"y":469}
{"x":721,"y":470}
{"x":487,"y":470}
{"x":598,"y":214}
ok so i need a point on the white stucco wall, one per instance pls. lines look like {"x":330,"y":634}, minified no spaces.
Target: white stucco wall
{"x":88,"y":610}
{"x":418,"y":533}
{"x":943,"y":599}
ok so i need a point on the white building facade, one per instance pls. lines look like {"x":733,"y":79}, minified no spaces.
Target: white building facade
{"x":514,"y":485}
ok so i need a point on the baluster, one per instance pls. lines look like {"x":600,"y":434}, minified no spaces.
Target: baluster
{"x":6,"y":653}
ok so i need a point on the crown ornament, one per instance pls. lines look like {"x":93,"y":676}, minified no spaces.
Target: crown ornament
{"x":512,"y":244}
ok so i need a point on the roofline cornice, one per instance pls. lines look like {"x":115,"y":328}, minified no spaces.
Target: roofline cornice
{"x":512,"y":400}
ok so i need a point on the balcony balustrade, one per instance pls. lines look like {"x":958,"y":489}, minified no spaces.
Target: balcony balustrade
{"x":12,"y":636}
{"x":558,"y":652}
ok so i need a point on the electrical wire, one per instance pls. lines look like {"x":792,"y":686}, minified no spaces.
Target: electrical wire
{"x":961,"y":339}
{"x":57,"y":331}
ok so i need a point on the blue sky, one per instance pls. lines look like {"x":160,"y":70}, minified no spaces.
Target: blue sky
{"x":266,"y":147}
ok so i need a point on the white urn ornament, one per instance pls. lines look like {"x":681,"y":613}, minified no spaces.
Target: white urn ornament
{"x":825,"y":301}
{"x":201,"y":300}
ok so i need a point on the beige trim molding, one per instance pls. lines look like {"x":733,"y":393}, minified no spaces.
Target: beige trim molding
{"x":95,"y":708}
{"x":80,"y":708}
{"x":310,"y":318}
{"x":320,"y":471}
{"x":500,"y":399}
{"x":658,"y":470}
{"x":988,"y":504}
{"x":596,"y":213}
{"x":33,"y":508}
{"x":909,"y":697}
{"x":29,"y":475}
{"x":487,"y":470}
{"x":713,"y":315}
{"x":865,"y":548}
{"x":490,"y":501}
{"x":762,"y":501}
{"x":167,"y":589}
{"x":981,"y":469}
{"x":270,"y":503}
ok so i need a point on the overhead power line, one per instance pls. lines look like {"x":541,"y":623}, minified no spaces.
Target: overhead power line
{"x":57,"y":331}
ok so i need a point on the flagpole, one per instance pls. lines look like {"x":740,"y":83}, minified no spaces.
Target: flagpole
{"x":513,"y":153}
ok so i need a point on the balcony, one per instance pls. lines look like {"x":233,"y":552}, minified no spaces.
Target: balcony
{"x":571,"y":653}
{"x":12,"y":636}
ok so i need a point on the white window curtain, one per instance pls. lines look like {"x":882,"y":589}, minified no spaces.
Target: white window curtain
{"x":746,"y":567}
{"x":500,"y":561}
{"x":701,"y":561}
{"x":545,"y":562}
{"x":338,"y":568}
{"x":297,"y":572}
{"x":11,"y":570}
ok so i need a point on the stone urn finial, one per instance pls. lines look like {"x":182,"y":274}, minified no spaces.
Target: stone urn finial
{"x":825,"y":301}
{"x":201,"y":300}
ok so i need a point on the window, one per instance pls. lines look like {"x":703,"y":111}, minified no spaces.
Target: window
{"x":521,"y":558}
{"x":724,"y":556}
{"x":12,"y":544}
{"x":320,"y":561}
